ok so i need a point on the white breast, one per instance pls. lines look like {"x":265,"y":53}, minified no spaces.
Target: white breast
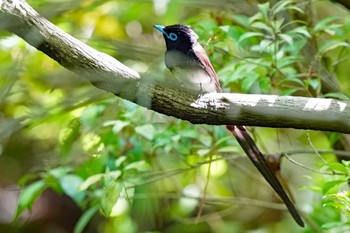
{"x":189,"y":72}
{"x":194,"y":78}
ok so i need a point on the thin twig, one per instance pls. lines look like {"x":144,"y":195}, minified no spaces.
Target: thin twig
{"x":315,"y":150}
{"x":202,"y":200}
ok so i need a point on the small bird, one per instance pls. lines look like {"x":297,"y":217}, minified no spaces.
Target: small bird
{"x":189,"y":63}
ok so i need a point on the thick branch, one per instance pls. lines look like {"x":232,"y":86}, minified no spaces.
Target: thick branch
{"x":108,"y":74}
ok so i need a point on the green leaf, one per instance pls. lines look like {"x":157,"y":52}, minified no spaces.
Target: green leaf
{"x":264,"y":9}
{"x":203,"y":152}
{"x":338,"y":167}
{"x":264,"y":46}
{"x":288,"y":92}
{"x":242,"y":20}
{"x":113,"y":175}
{"x":29,"y":195}
{"x":208,"y":25}
{"x":110,"y":198}
{"x":296,"y":9}
{"x":222,"y":140}
{"x":323,"y":23}
{"x":68,"y":136}
{"x":288,"y":62}
{"x":292,"y":79}
{"x":84,"y":219}
{"x":336,"y":95}
{"x":300,"y":30}
{"x":90,"y":115}
{"x":59,"y":171}
{"x":146,"y":131}
{"x":346,"y":163}
{"x":234,"y":32}
{"x":339,"y":200}
{"x":139,"y":166}
{"x":94,"y":165}
{"x":53,"y":176}
{"x":286,"y":38}
{"x":332,"y":184}
{"x":249,"y":81}
{"x":25,"y":179}
{"x":70,"y":185}
{"x":277,"y":25}
{"x":262,"y":26}
{"x":250,"y":34}
{"x":118,"y":125}
{"x":257,"y":17}
{"x":120,"y":160}
{"x":330,"y":45}
{"x":335,"y":225}
{"x":281,"y":6}
{"x":90,"y":181}
{"x":314,"y":83}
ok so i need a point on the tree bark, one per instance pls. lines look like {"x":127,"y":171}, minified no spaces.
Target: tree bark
{"x":168,"y":98}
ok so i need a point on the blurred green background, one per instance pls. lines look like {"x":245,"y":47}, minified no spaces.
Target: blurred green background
{"x":74,"y":158}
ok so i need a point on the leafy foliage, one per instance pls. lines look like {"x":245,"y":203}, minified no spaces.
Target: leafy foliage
{"x":143,"y":171}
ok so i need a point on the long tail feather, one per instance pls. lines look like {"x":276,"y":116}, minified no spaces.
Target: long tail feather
{"x":259,"y":161}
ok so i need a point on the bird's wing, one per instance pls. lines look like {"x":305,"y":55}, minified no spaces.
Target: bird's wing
{"x":204,"y":60}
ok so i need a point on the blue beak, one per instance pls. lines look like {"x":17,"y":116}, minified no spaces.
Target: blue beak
{"x":160,"y":28}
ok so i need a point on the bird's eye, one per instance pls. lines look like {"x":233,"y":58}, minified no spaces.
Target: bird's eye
{"x":172,"y":36}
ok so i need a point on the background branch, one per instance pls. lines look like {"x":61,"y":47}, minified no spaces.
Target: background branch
{"x":108,"y":74}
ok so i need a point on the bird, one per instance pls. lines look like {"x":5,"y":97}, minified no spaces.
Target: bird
{"x":187,"y":60}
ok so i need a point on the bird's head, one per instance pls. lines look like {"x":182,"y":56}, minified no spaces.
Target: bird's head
{"x":178,"y":36}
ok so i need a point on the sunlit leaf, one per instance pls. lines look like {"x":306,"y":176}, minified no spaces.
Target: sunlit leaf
{"x":89,"y":115}
{"x":118,"y":125}
{"x":286,"y":38}
{"x":139,"y":165}
{"x":332,"y":184}
{"x":332,"y":44}
{"x":264,"y":9}
{"x":280,"y":6}
{"x":323,"y":23}
{"x":29,"y":195}
{"x":336,"y":95}
{"x":300,"y":30}
{"x":250,"y":34}
{"x":120,"y":160}
{"x":70,"y":185}
{"x":110,"y":198}
{"x":295,"y":8}
{"x":338,"y":167}
{"x":314,"y":83}
{"x":277,"y":25}
{"x":68,"y":136}
{"x":334,"y":225}
{"x":146,"y":131}
{"x":292,"y":79}
{"x":90,"y":181}
{"x":203,"y":152}
{"x":262,"y":26}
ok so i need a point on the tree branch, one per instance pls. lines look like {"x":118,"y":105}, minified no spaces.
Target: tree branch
{"x":110,"y":75}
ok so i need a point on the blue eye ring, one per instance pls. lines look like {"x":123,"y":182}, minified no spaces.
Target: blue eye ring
{"x":172,"y":36}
